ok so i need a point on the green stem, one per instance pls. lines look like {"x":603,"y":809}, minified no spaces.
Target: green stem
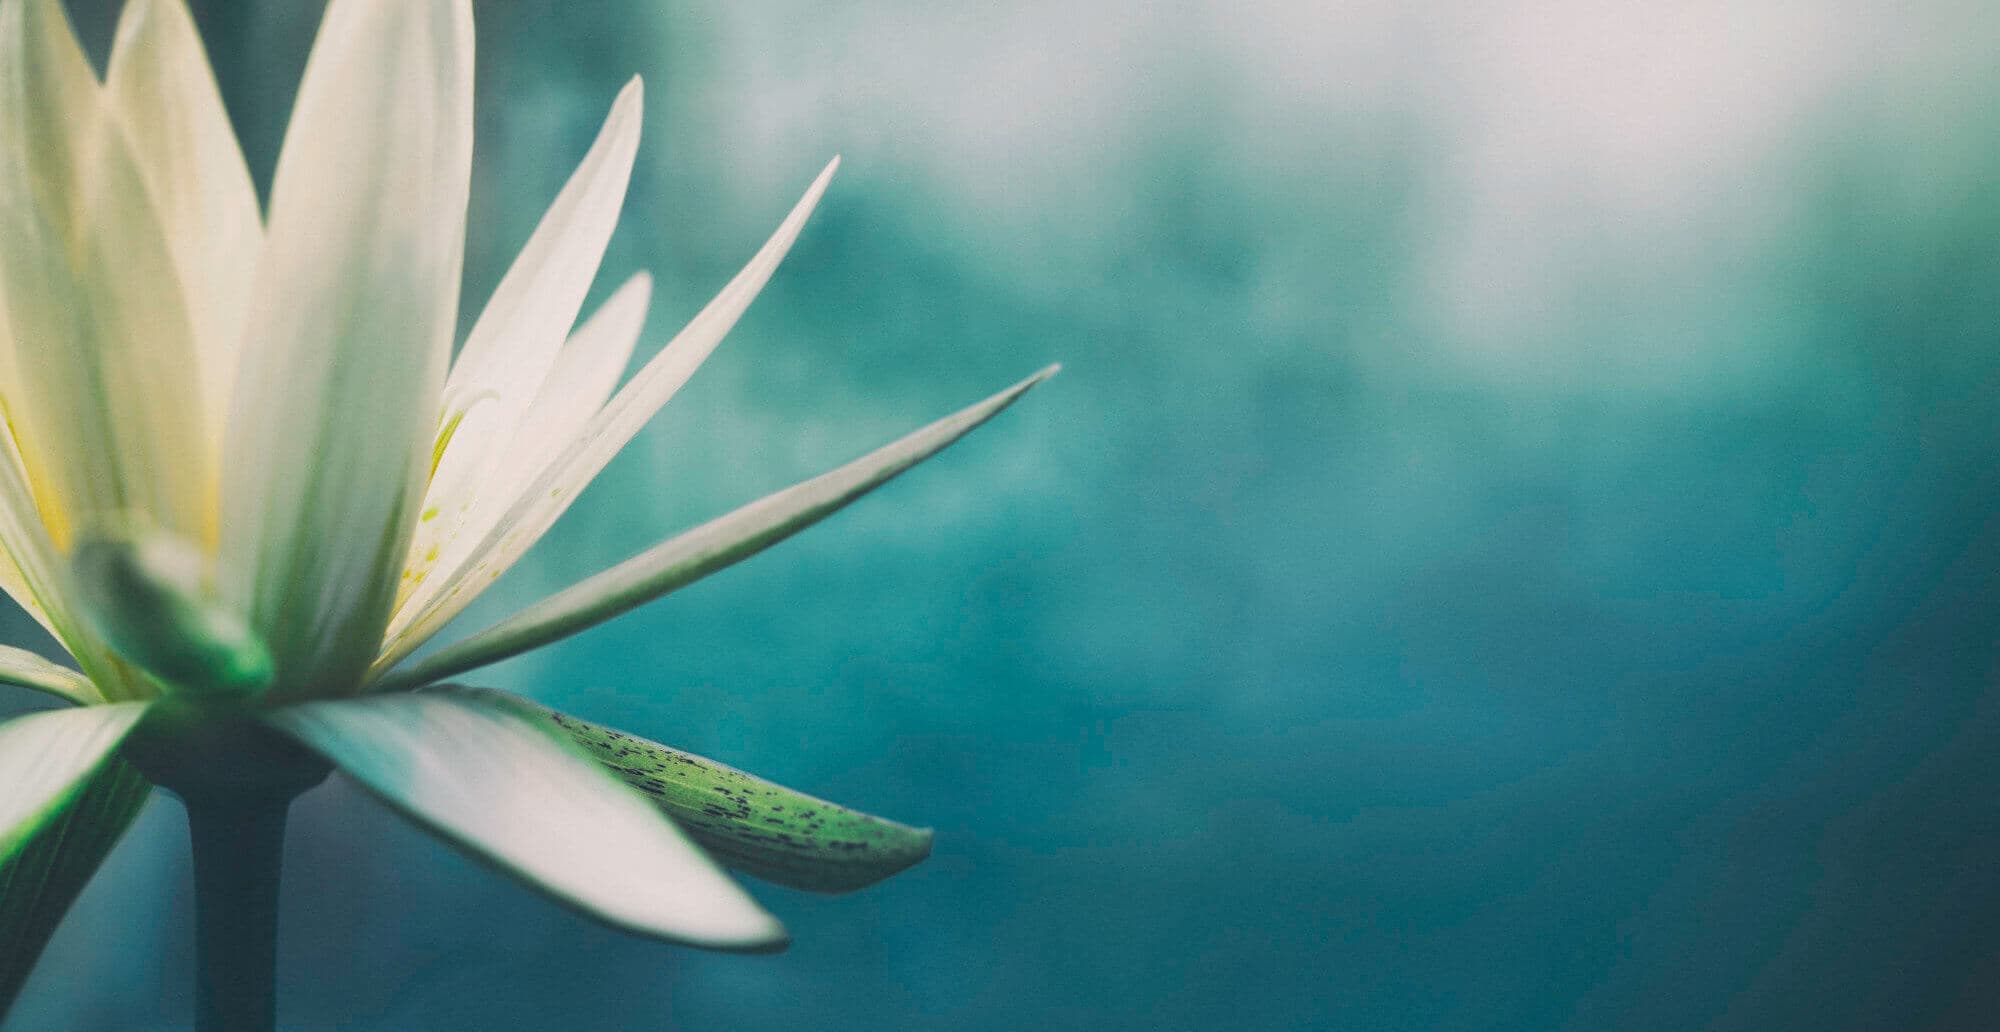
{"x":237,"y":779}
{"x":238,"y":853}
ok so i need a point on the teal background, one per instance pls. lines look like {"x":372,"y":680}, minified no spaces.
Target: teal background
{"x":1514,"y":545}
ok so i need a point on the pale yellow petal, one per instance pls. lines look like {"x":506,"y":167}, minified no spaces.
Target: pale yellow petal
{"x":33,"y":575}
{"x":162,"y":91}
{"x":348,"y":335}
{"x":105,"y":403}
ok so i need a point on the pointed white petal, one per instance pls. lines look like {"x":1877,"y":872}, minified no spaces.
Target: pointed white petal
{"x":348,"y":334}
{"x":514,"y":344}
{"x":24,"y":668}
{"x":705,"y":549}
{"x":584,"y":374}
{"x":105,"y":408}
{"x":161,"y":89}
{"x":45,"y":759}
{"x":468,"y":566}
{"x":491,"y":780}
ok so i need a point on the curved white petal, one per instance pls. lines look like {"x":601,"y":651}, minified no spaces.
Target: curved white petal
{"x":348,"y":334}
{"x":24,"y":668}
{"x":45,"y":757}
{"x":468,"y":565}
{"x":163,"y":93}
{"x":104,"y":406}
{"x":495,"y":781}
{"x":514,"y":343}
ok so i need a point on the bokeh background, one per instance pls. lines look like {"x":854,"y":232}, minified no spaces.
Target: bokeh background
{"x":1514,"y":546}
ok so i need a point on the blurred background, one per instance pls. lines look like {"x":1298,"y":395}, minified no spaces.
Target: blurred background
{"x":1514,"y":545}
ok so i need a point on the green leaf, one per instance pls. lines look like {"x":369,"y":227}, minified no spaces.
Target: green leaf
{"x":27,"y":670}
{"x":493,"y":781}
{"x":47,"y":870}
{"x":748,"y":823}
{"x":714,"y":545}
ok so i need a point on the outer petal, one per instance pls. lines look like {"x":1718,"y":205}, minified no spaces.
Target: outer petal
{"x":45,"y":759}
{"x":514,"y":344}
{"x":104,"y":410}
{"x":712,"y":546}
{"x":745,"y":822}
{"x":162,"y":91}
{"x":45,"y":872}
{"x":468,"y":566}
{"x":491,"y":779}
{"x":348,"y":335}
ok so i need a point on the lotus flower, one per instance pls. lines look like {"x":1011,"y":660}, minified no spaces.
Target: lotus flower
{"x":244,"y":479}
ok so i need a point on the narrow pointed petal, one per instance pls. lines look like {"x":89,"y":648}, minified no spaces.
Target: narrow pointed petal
{"x":46,"y":759}
{"x":585,"y":371}
{"x":469,"y":565}
{"x":47,"y":871}
{"x":163,"y":93}
{"x":490,"y":779}
{"x":714,"y":545}
{"x":27,"y":670}
{"x":515,"y":342}
{"x":105,"y":409}
{"x":745,"y":822}
{"x":348,"y":334}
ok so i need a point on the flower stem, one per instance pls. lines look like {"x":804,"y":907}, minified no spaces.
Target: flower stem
{"x":237,"y":780}
{"x":238,"y":851}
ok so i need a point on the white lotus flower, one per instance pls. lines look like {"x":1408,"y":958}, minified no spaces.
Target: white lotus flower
{"x":243,"y":478}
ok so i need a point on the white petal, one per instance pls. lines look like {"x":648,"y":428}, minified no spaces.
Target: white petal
{"x":162,"y":91}
{"x":491,"y":780}
{"x":105,"y":408}
{"x":348,"y":334}
{"x":515,"y":341}
{"x":584,"y":374}
{"x":468,"y":566}
{"x":24,"y":668}
{"x":45,"y":757}
{"x":705,"y":549}
{"x":31,"y":571}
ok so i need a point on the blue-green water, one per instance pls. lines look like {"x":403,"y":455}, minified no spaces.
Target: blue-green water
{"x":1514,"y":546}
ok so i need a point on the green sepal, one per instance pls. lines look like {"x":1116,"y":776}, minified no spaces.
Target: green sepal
{"x":746,"y":823}
{"x":146,"y":594}
{"x":45,"y":872}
